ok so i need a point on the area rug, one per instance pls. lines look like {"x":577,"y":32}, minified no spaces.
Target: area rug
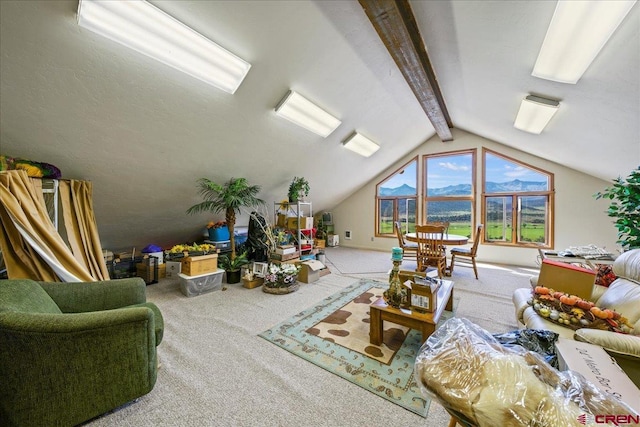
{"x":334,"y":335}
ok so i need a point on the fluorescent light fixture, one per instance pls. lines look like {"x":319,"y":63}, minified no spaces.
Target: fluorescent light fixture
{"x":534,"y":113}
{"x":578,"y":31}
{"x":146,"y":29}
{"x":299,"y":110}
{"x":361,"y":144}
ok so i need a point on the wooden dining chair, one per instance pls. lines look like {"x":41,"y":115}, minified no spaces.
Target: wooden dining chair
{"x":468,"y":253}
{"x":409,"y":249}
{"x":444,"y":224}
{"x":430,"y":248}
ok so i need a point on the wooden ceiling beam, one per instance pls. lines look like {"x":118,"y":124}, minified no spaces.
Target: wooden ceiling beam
{"x":397,"y":27}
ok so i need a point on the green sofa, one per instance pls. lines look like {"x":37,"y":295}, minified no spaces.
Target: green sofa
{"x":72,"y":351}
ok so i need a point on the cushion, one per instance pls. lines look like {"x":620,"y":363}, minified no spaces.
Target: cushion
{"x":25,"y":296}
{"x":605,"y":275}
{"x":622,"y":296}
{"x":627,"y":265}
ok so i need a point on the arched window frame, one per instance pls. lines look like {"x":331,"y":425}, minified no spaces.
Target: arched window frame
{"x":514,"y":198}
{"x":384,"y":226}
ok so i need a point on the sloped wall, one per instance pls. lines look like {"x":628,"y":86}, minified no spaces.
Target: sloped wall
{"x":579,"y":218}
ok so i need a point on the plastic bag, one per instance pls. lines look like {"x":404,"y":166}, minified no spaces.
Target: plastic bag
{"x":538,"y":340}
{"x":484,"y":383}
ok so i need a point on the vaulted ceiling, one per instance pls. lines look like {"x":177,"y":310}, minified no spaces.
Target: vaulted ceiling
{"x":144,"y":133}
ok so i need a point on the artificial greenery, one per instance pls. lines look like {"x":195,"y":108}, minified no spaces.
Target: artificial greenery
{"x":228,"y":198}
{"x":299,"y":187}
{"x":625,"y":207}
{"x":233,"y":264}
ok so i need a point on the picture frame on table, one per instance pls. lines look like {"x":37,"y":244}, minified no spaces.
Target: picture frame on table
{"x":260,"y":269}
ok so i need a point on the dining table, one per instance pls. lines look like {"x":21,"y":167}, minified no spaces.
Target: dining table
{"x":447,"y":239}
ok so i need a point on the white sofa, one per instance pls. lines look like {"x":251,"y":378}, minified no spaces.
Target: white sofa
{"x":623,"y":296}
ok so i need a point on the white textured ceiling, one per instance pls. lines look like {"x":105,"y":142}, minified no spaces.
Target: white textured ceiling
{"x":144,"y":133}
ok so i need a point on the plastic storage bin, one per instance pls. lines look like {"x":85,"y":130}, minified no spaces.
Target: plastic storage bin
{"x":201,"y":284}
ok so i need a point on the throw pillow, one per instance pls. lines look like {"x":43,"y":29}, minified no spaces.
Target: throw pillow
{"x":605,"y":275}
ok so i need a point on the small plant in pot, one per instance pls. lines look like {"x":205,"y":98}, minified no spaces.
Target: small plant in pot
{"x":298,"y":189}
{"x":233,"y":266}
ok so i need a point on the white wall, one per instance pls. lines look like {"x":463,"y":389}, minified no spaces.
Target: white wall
{"x":579,"y":218}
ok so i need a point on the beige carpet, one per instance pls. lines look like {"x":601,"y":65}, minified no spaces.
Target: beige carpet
{"x":216,"y":371}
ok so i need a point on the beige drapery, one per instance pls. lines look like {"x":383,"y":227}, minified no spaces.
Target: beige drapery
{"x":30,"y":244}
{"x":80,"y":223}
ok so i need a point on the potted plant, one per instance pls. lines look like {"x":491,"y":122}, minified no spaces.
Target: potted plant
{"x":625,"y":197}
{"x":281,"y":278}
{"x":229,"y":198}
{"x":298,"y":188}
{"x":233,"y":266}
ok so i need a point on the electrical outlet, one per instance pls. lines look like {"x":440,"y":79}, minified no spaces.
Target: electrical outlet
{"x":372,"y":238}
{"x":347,"y":235}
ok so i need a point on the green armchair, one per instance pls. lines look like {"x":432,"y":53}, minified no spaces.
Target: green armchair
{"x":72,"y":351}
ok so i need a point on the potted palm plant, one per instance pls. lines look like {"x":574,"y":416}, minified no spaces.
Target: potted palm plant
{"x":229,"y":198}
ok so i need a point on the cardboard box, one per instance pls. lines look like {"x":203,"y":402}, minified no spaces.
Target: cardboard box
{"x":422,"y":297}
{"x":196,"y":265}
{"x":324,"y":271}
{"x":567,"y":278}
{"x":599,"y":368}
{"x":310,"y":271}
{"x":148,"y":272}
{"x":289,"y":261}
{"x":333,"y":240}
{"x":201,"y":284}
{"x":285,"y":250}
{"x":280,"y":257}
{"x":159,"y":256}
{"x":319,"y":243}
{"x":305,"y":222}
{"x":172,"y":268}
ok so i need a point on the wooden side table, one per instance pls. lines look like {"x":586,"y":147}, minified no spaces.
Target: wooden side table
{"x":424,"y":322}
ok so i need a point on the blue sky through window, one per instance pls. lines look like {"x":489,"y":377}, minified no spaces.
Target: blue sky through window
{"x":500,"y":170}
{"x":408,"y":177}
{"x":443,"y":171}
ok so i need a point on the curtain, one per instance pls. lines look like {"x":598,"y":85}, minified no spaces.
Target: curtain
{"x":30,"y":244}
{"x":80,"y":223}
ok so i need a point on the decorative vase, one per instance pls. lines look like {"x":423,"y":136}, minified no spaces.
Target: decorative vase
{"x":395,"y":296}
{"x":233,"y":276}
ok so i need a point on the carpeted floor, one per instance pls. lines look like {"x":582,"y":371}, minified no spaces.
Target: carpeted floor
{"x":217,"y":371}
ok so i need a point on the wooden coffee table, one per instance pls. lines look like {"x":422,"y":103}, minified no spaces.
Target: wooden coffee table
{"x":424,"y":322}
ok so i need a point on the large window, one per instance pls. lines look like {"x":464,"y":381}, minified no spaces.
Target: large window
{"x":517,"y":202}
{"x":396,"y":200}
{"x":450,"y":190}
